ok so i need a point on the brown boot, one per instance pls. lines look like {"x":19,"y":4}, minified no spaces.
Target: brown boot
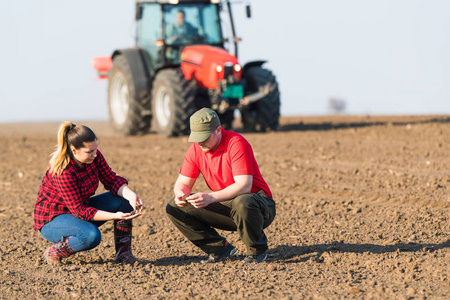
{"x":122,"y":238}
{"x":59,"y":250}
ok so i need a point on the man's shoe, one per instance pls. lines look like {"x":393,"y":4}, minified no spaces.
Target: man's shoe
{"x":255,"y":258}
{"x":226,"y":252}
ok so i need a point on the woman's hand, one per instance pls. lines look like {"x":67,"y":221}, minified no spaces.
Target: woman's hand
{"x":132,"y":197}
{"x":137,"y":204}
{"x":126,"y":216}
{"x":102,"y":215}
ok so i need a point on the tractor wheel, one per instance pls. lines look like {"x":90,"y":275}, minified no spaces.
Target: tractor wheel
{"x":128,"y":113}
{"x":226,"y":119}
{"x":264,"y":114}
{"x":173,"y":102}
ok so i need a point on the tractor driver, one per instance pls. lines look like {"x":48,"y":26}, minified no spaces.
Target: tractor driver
{"x":182,"y":31}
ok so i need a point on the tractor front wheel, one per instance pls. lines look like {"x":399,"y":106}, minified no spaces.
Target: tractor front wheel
{"x":264,"y":114}
{"x":173,"y":102}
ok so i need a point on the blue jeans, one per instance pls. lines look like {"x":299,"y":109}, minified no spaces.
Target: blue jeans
{"x":83,"y":235}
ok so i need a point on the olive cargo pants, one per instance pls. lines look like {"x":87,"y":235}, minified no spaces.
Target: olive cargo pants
{"x":248,"y":214}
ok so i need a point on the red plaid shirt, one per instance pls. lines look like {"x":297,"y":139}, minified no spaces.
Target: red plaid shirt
{"x":70,"y":192}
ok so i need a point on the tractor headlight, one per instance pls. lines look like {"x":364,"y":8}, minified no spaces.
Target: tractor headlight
{"x":237,"y":68}
{"x":219,"y":68}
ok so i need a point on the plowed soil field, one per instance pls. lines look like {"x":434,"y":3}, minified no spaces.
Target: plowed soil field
{"x":363,"y":212}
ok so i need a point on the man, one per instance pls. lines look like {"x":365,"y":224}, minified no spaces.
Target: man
{"x":240,"y":199}
{"x":181,"y":31}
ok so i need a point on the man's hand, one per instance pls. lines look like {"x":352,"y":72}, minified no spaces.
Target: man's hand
{"x":181,"y":200}
{"x":200,"y":200}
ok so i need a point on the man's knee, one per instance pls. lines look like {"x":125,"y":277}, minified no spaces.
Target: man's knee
{"x":242,"y":204}
{"x":254,"y":206}
{"x":171,"y":204}
{"x":171,"y":208}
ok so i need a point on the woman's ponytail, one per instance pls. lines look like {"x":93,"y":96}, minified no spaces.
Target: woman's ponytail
{"x":68,"y":134}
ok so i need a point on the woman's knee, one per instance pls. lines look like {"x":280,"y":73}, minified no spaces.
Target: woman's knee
{"x":111,"y":203}
{"x":91,"y":238}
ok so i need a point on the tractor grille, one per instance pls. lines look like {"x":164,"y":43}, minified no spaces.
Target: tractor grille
{"x":228,"y":70}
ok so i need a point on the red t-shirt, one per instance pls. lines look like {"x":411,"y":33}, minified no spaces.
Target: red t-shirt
{"x":234,"y":156}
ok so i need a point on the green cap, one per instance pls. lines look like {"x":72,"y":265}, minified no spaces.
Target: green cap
{"x":203,"y":123}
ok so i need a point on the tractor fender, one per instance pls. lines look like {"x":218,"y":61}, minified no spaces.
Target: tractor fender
{"x":256,"y":63}
{"x":141,"y":75}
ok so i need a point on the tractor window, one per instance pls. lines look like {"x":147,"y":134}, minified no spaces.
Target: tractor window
{"x":149,"y":30}
{"x":211,"y":24}
{"x":192,"y":24}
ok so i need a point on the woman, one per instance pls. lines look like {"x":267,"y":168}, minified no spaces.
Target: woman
{"x":66,"y":213}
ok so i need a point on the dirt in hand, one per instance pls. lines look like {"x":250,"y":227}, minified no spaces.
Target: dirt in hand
{"x":138,"y":206}
{"x":362,"y":213}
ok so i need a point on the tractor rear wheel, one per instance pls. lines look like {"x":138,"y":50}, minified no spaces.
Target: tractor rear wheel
{"x":173,"y":102}
{"x":129,"y":114}
{"x":264,"y":114}
{"x":226,"y":119}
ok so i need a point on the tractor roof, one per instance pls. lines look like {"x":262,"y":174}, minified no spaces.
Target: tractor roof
{"x":177,"y":1}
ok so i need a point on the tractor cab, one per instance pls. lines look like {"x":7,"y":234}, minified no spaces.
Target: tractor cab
{"x":165,"y":28}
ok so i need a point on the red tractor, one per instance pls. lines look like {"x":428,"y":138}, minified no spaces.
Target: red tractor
{"x":180,"y":64}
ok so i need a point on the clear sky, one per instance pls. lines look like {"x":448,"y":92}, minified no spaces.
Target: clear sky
{"x":380,"y":57}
